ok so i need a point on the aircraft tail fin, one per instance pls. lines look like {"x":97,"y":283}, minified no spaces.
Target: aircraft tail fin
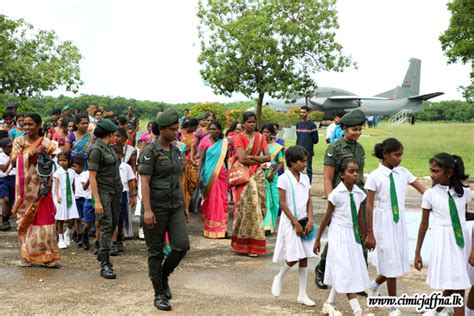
{"x":410,"y":85}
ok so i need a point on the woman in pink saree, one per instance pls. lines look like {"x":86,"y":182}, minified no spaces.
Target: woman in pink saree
{"x":213,"y":175}
{"x":35,"y":212}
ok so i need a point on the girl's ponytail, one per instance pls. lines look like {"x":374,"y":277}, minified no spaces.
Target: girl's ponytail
{"x":389,"y":145}
{"x":456,"y":165}
{"x":458,"y":175}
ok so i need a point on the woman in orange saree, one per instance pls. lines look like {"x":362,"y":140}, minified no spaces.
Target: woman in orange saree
{"x":250,"y":202}
{"x":190,"y":174}
{"x":35,"y":212}
{"x":213,"y":175}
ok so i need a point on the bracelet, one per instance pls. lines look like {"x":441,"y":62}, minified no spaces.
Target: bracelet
{"x":370,"y":230}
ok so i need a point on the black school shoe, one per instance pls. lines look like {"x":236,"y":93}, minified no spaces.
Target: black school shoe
{"x":5,"y":226}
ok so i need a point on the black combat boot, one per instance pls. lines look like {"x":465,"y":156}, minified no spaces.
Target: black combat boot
{"x":166,"y":288}
{"x":85,"y":242}
{"x":106,"y":270}
{"x":96,"y":248}
{"x":319,"y":280}
{"x":161,"y":302}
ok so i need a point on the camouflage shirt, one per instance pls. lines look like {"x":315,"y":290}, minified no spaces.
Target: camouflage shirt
{"x":340,"y":150}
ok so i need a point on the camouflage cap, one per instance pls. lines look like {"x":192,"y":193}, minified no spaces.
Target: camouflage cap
{"x":167,"y":118}
{"x":355,"y":117}
{"x":107,"y":125}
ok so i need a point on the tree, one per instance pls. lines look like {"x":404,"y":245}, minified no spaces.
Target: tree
{"x":267,"y":47}
{"x":457,"y":41}
{"x":32,"y":61}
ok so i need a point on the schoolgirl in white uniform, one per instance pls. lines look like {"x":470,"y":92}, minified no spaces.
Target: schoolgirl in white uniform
{"x":346,"y":269}
{"x":446,"y":202}
{"x":386,"y":224}
{"x":66,"y":209}
{"x":295,"y":237}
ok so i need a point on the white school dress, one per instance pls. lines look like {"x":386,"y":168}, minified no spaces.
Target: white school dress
{"x":391,"y":250}
{"x":63,"y":212}
{"x":449,"y":266}
{"x":289,"y":246}
{"x":126,"y":174}
{"x":345,"y":264}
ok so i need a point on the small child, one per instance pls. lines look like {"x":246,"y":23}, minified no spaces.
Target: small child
{"x":386,"y":225}
{"x":446,"y":202}
{"x":18,"y":130}
{"x":295,"y":237}
{"x":66,"y":209}
{"x":127,"y":203}
{"x":346,"y":270}
{"x":7,"y":182}
{"x":80,"y":196}
{"x":88,"y":215}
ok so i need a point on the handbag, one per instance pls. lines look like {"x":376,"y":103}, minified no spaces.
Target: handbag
{"x":303,"y":221}
{"x":196,"y":198}
{"x":239,"y":173}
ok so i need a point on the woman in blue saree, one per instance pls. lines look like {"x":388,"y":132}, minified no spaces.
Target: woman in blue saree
{"x":80,"y":142}
{"x":271,"y":178}
{"x":213,"y":177}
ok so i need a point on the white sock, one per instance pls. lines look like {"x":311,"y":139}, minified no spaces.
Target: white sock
{"x":283,"y":271}
{"x":60,"y":237}
{"x":303,"y":275}
{"x":468,"y":311}
{"x":70,"y":231}
{"x":374,"y":286}
{"x":332,"y":295}
{"x":354,"y":305}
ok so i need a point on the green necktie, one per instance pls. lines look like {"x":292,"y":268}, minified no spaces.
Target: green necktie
{"x":68,"y":190}
{"x":355,"y":219}
{"x":393,"y":199}
{"x":453,"y":212}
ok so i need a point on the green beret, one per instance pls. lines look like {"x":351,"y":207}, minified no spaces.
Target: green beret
{"x":167,"y":118}
{"x":355,"y":117}
{"x":66,"y":107}
{"x":201,"y":117}
{"x":107,"y":125}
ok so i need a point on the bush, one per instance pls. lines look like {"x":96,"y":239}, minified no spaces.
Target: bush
{"x":201,"y":108}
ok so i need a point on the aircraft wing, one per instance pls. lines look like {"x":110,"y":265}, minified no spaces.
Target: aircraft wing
{"x":353,"y":98}
{"x":424,"y":97}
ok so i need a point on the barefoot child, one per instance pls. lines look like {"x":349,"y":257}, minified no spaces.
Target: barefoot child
{"x":386,"y":225}
{"x":346,"y":270}
{"x":295,"y":238}
{"x":66,"y":210}
{"x":446,"y":202}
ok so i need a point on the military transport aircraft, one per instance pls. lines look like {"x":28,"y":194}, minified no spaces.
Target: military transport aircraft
{"x":400,"y":99}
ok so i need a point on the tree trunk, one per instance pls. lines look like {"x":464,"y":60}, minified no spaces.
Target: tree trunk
{"x":259,"y":109}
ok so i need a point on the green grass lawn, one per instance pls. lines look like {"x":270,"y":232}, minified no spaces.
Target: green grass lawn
{"x":421,"y":142}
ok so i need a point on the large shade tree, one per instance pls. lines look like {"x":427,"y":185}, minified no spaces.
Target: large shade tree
{"x":457,"y":41}
{"x":259,"y":47}
{"x":33,"y":61}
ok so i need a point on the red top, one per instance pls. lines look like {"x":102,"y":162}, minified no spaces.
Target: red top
{"x":241,"y":140}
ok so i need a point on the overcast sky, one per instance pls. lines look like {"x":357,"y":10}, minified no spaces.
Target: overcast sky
{"x":147,"y":50}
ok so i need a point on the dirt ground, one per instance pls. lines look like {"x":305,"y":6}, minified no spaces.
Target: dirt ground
{"x":212,"y":279}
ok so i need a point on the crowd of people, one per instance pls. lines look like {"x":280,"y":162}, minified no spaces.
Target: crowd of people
{"x":82,"y":176}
